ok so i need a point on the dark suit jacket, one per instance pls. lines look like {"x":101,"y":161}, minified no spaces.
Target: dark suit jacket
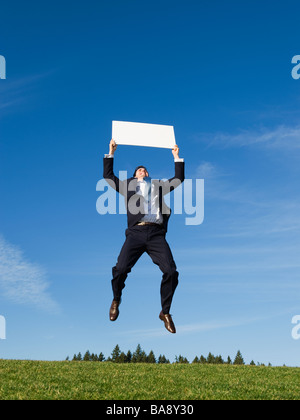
{"x":134,"y":201}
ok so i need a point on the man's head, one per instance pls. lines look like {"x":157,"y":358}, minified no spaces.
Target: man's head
{"x":140,"y":172}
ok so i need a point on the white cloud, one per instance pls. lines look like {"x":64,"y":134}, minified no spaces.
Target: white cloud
{"x":191,"y":328}
{"x":206,"y":170}
{"x":281,"y":137}
{"x":16,"y":92}
{"x":22,"y":281}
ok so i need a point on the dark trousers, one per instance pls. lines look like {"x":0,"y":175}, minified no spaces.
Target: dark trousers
{"x":150,"y":239}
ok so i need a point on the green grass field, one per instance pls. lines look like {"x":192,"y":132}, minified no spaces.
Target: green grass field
{"x":33,"y":380}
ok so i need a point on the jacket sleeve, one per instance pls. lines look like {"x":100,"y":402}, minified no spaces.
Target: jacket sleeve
{"x":172,"y":183}
{"x":110,"y":177}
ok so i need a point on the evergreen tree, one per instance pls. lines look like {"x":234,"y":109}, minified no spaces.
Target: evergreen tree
{"x":202,"y":360}
{"x":196,"y":360}
{"x":79,"y":357}
{"x":181,"y":359}
{"x":138,"y":355}
{"x":229,"y":361}
{"x":219,"y":360}
{"x":163,"y":359}
{"x":94,"y":357}
{"x":101,"y":357}
{"x":143,"y":358}
{"x":115,"y":355}
{"x":87,"y":356}
{"x":210,"y":358}
{"x":239,"y":359}
{"x":128,"y":357}
{"x":252,"y":363}
{"x":122,"y":358}
{"x":151,"y":357}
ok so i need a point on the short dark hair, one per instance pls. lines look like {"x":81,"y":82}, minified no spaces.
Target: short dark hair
{"x":139,"y":167}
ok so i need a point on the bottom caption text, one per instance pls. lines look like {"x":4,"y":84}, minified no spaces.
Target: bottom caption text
{"x":141,"y":409}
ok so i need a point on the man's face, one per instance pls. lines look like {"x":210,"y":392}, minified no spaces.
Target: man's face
{"x":141,"y":173}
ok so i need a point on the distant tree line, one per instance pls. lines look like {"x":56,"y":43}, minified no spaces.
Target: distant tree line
{"x":140,"y":356}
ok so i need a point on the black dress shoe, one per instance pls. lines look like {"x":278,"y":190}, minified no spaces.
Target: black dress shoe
{"x":169,"y":324}
{"x":114,"y":310}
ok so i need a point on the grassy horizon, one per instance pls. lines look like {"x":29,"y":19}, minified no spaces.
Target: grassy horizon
{"x":42,"y":380}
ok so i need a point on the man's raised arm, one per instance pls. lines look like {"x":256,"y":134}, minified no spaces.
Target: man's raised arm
{"x":172,"y":183}
{"x":179,"y":168}
{"x":108,"y":169}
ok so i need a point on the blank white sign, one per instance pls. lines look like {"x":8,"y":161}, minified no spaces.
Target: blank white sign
{"x":140,"y":134}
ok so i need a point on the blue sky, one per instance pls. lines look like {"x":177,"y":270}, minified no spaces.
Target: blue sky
{"x":220,"y":72}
